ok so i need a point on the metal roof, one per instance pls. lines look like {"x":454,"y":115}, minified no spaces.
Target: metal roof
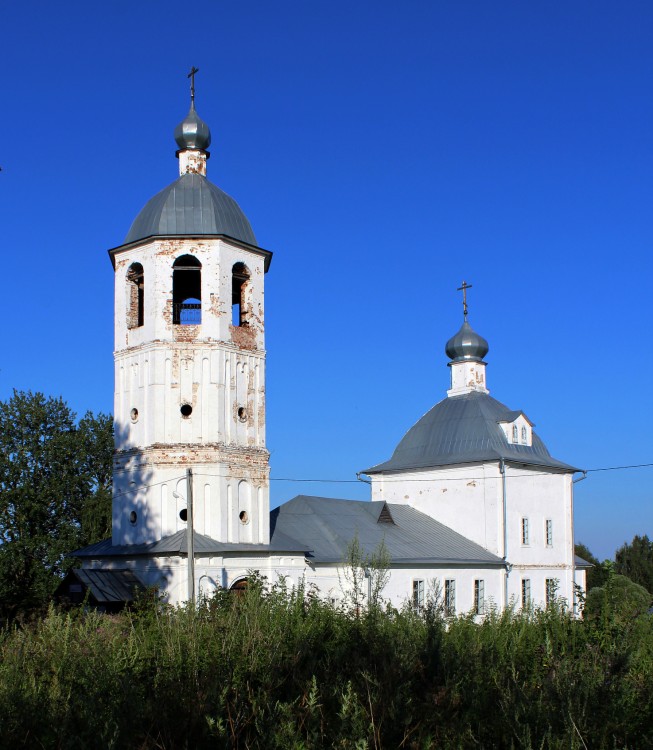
{"x":580,"y":563}
{"x":465,"y":429}
{"x":327,"y":526}
{"x":191,"y":205}
{"x":175,"y":544}
{"x":109,"y":585}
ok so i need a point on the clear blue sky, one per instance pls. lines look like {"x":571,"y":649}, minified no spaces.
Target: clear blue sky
{"x":385,"y":152}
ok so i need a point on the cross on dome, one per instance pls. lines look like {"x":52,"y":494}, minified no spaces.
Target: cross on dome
{"x":464,"y":289}
{"x":191,"y":75}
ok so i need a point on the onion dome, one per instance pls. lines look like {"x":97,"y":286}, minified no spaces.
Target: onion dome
{"x":192,"y":132}
{"x":466,"y":345}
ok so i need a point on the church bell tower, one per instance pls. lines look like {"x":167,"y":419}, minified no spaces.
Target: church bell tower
{"x":190,"y":362}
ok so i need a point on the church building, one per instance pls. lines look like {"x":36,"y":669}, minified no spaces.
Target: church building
{"x":470,"y":507}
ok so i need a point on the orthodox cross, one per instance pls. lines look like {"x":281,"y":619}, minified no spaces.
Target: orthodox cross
{"x":464,"y":289}
{"x":191,"y":75}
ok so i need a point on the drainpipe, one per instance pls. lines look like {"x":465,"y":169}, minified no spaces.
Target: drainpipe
{"x":502,"y":469}
{"x":190,"y":537}
{"x":574,"y":607}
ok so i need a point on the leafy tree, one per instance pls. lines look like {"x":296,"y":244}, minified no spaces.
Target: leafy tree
{"x":55,"y":496}
{"x":364,"y":575}
{"x":620,"y":599}
{"x":635,"y":560}
{"x":596,"y":576}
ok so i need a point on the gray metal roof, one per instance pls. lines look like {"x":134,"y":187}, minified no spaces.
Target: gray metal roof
{"x":109,"y":585}
{"x":580,"y":563}
{"x":175,"y":544}
{"x":327,"y":526}
{"x":465,"y":429}
{"x":193,"y":206}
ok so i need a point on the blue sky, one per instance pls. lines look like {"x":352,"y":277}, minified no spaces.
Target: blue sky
{"x":384,"y":152}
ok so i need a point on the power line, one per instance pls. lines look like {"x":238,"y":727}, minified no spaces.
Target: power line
{"x":304,"y":480}
{"x":618,"y":468}
{"x":138,"y":488}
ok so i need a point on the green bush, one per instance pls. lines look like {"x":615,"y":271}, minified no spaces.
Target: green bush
{"x":282,"y":669}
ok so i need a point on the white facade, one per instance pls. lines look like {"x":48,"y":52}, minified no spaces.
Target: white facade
{"x":189,"y":395}
{"x":470,"y":500}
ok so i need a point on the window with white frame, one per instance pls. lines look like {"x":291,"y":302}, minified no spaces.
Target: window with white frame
{"x":515,"y":434}
{"x":418,"y":594}
{"x":548,"y":527}
{"x":551,"y":590}
{"x":525,"y":532}
{"x":479,"y":597}
{"x":450,"y":597}
{"x":525,"y":593}
{"x":524,"y":436}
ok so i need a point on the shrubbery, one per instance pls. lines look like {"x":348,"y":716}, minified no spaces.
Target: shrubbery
{"x":272,"y":669}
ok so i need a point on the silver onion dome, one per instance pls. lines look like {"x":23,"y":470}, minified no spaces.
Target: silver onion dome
{"x":192,"y":131}
{"x":466,"y":345}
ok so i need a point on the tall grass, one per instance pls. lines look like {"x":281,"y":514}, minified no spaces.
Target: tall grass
{"x":277,"y":669}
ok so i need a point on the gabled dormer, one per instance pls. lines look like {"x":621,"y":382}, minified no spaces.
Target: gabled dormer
{"x":517,"y":428}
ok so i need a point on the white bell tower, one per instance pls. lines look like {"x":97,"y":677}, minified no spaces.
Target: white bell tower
{"x":190,"y":362}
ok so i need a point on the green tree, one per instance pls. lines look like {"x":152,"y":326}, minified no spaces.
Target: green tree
{"x":55,"y":480}
{"x":596,"y":576}
{"x":635,"y":560}
{"x":620,"y":600}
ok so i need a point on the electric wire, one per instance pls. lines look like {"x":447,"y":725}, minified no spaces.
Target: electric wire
{"x":305,"y":480}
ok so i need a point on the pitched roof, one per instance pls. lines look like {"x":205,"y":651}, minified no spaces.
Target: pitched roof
{"x":328,"y":526}
{"x":465,"y":429}
{"x":107,"y":585}
{"x":176,"y":544}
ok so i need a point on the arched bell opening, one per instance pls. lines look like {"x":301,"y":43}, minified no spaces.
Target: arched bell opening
{"x":135,"y":296}
{"x":187,"y":291}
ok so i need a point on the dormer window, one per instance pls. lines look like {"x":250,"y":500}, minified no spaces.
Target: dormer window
{"x":518,"y":430}
{"x":187,"y":291}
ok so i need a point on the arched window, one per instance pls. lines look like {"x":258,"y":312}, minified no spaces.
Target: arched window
{"x":515,"y":434}
{"x":135,"y":296}
{"x":524,"y":435}
{"x":187,"y":291}
{"x":240,"y":288}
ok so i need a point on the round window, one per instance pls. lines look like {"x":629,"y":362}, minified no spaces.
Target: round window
{"x":183,"y":514}
{"x":186,"y":410}
{"x":134,"y":415}
{"x":242,"y":414}
{"x":244,"y":518}
{"x":133,"y":517}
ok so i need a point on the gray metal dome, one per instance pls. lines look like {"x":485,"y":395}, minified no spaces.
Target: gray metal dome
{"x":465,"y":429}
{"x":466,"y":345}
{"x":192,"y":131}
{"x":193,"y":206}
